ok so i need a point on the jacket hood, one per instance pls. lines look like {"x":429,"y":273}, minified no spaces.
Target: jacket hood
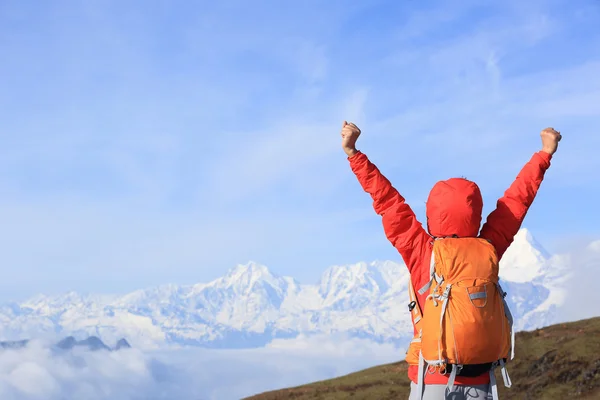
{"x":454,"y":207}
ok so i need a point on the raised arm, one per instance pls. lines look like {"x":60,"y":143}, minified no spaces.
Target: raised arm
{"x":399,"y":221}
{"x":505,"y":221}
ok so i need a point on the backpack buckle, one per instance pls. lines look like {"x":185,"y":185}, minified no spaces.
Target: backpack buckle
{"x":446,"y":293}
{"x":412,"y":305}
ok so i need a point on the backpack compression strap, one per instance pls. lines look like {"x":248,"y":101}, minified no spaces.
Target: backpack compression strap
{"x":413,"y":305}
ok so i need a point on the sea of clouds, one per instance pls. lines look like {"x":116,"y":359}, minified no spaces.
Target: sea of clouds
{"x":36,"y":372}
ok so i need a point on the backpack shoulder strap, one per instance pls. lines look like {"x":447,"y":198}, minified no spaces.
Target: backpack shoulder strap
{"x":432,"y":273}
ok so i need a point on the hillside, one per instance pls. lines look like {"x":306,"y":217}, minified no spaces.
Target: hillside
{"x":558,"y":362}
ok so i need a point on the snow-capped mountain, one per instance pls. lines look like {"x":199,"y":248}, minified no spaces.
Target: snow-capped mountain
{"x":534,"y":280}
{"x":250,"y":306}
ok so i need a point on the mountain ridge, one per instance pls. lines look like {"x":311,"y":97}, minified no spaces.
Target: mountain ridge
{"x":250,"y":306}
{"x":92,"y":343}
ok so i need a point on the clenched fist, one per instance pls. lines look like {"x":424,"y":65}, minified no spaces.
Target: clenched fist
{"x":350,"y":134}
{"x":550,"y":139}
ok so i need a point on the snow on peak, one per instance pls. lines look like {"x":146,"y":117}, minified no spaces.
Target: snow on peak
{"x":247,"y":275}
{"x":250,"y":269}
{"x":342,"y":277}
{"x":348,"y":285}
{"x":524,"y":260}
{"x":250,"y":306}
{"x":525,"y":235}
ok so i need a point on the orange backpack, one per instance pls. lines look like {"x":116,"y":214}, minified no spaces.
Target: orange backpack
{"x":465,"y":328}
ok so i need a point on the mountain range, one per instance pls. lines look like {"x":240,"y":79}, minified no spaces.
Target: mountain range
{"x":250,"y":306}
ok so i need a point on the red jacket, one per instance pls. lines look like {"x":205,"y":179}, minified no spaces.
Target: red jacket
{"x":454,"y":207}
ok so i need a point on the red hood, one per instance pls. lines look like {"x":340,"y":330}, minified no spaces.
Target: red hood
{"x":454,"y":207}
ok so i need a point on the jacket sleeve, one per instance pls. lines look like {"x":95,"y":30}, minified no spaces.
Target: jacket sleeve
{"x":399,"y":221}
{"x":505,"y":221}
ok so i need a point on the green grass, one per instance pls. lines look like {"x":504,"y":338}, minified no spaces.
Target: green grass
{"x":558,"y":362}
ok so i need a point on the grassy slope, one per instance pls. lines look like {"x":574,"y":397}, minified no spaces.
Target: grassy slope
{"x":558,"y":362}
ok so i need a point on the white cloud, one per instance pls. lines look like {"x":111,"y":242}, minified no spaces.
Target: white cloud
{"x":582,"y":294}
{"x":188,"y":374}
{"x":335,"y":345}
{"x":36,"y":373}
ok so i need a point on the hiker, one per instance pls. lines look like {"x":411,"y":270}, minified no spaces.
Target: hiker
{"x":454,"y":269}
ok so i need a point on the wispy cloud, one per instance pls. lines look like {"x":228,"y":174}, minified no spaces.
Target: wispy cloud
{"x":198,"y":136}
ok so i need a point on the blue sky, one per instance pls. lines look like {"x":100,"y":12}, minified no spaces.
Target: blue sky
{"x":154,"y":142}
